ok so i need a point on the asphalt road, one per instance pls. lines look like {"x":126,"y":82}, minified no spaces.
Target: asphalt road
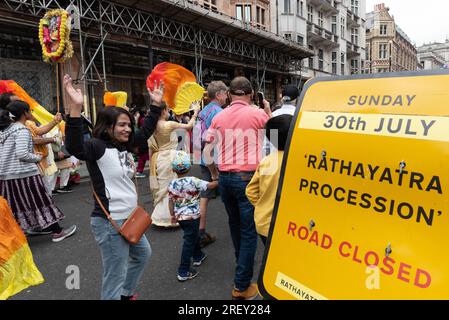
{"x":54,"y":260}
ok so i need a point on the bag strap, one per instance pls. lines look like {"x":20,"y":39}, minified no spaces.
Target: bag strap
{"x":104,"y":209}
{"x":106,"y":212}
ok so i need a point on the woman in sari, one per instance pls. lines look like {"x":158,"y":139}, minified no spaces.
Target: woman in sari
{"x":163,"y":145}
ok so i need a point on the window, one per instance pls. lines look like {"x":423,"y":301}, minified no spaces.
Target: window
{"x":355,"y":36}
{"x":310,"y":13}
{"x":247,"y":13}
{"x":320,"y":19}
{"x":300,"y":40}
{"x":210,"y":4}
{"x":311,"y":62}
{"x":287,"y":7}
{"x":334,"y":24}
{"x":342,"y":62}
{"x":243,"y":12}
{"x":288,"y":36}
{"x":355,"y":6}
{"x":383,"y":29}
{"x":354,"y":66}
{"x":320,"y":59}
{"x":300,"y":8}
{"x":258,"y":14}
{"x":239,"y":12}
{"x":334,"y":62}
{"x":262,"y":13}
{"x":382,"y":51}
{"x":343,"y":29}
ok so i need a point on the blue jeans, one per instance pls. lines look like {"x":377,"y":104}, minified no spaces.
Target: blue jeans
{"x":191,"y":246}
{"x":241,"y":224}
{"x":123,"y":263}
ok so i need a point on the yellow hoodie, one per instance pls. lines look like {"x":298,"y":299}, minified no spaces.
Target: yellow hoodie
{"x":261,"y":191}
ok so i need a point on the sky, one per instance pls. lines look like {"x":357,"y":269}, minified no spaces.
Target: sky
{"x":423,"y":21}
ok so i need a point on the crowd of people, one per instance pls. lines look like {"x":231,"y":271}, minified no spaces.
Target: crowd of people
{"x":240,"y":147}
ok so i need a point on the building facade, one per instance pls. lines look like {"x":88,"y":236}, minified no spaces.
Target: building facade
{"x":123,"y":40}
{"x":333,"y":30}
{"x":255,"y":13}
{"x":388,"y":47}
{"x":434,"y":55}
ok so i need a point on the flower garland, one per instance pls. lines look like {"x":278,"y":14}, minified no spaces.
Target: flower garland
{"x":54,"y":36}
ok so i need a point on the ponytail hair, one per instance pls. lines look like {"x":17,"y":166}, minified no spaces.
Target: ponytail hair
{"x":17,"y":109}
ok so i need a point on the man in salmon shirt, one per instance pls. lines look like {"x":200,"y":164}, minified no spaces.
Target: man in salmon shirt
{"x":237,"y":135}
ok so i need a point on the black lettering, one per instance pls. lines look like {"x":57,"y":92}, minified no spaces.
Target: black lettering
{"x":404,"y":172}
{"x":362,"y":123}
{"x":314,"y":187}
{"x":380,"y":204}
{"x":366,"y":203}
{"x":312,"y":161}
{"x":435,"y":184}
{"x":408,"y":128}
{"x":386,"y":176}
{"x":409,"y":212}
{"x":352,"y":100}
{"x":416,"y":178}
{"x":359,"y":171}
{"x":386,"y":100}
{"x":323,"y":164}
{"x":390,"y":126}
{"x":330,"y":122}
{"x":336,"y":196}
{"x":372,"y":171}
{"x":364,"y":101}
{"x":381,"y":125}
{"x":304,"y":183}
{"x":374,"y":100}
{"x":398,"y":101}
{"x":410,"y":99}
{"x":343,"y":167}
{"x":352,"y":195}
{"x":329,"y":191}
{"x":427,"y":126}
{"x":427,"y":218}
{"x":334,"y":163}
{"x":341,"y":124}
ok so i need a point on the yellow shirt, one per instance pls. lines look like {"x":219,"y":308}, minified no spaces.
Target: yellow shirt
{"x":261,"y":191}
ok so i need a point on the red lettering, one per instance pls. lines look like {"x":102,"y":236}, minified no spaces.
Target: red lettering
{"x":426,"y":275}
{"x":340,"y":249}
{"x":325,"y":245}
{"x":291,"y":227}
{"x":402,"y":271}
{"x":314,"y":238}
{"x":376,"y":259}
{"x":354,"y":257}
{"x":306,"y":235}
{"x":390,"y":267}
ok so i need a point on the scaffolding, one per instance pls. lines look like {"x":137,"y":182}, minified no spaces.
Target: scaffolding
{"x":253,"y":48}
{"x":120,"y":19}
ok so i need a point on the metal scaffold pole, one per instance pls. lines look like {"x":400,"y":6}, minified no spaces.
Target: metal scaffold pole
{"x":86,"y":109}
{"x":105,"y":83}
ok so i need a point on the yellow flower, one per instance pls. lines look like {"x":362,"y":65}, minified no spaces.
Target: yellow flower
{"x":64,"y":35}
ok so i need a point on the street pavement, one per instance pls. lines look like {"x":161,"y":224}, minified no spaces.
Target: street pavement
{"x":159,"y":282}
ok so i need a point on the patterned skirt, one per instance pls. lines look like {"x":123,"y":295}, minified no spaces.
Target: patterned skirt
{"x":31,"y":205}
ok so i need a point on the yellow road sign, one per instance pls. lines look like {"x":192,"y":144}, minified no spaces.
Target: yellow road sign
{"x":362,"y":210}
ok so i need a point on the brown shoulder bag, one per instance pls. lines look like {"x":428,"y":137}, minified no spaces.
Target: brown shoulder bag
{"x":136,"y":224}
